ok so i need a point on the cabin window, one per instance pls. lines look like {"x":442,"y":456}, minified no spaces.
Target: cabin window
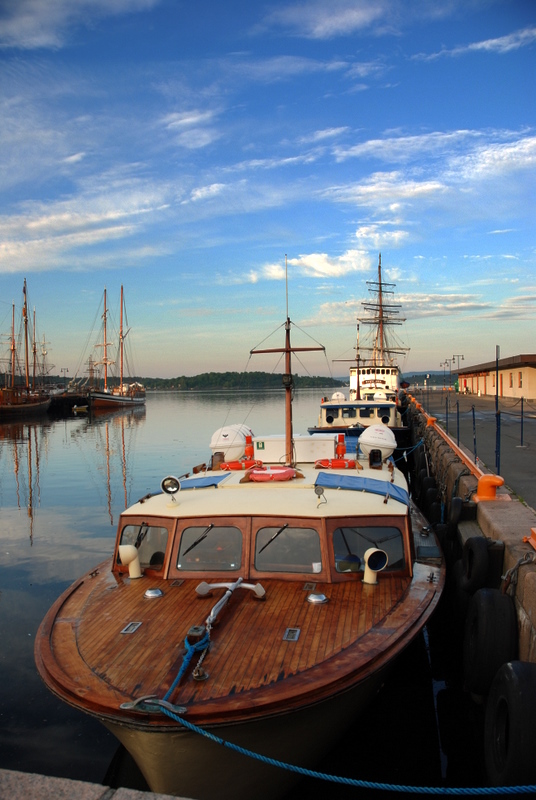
{"x":351,"y":543}
{"x":366,"y":413}
{"x":287,"y":549}
{"x":348,"y":413}
{"x":384,"y":411}
{"x":210,"y":547}
{"x":150,"y":541}
{"x":332,"y":414}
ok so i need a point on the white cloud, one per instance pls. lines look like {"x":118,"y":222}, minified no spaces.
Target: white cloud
{"x":500,"y":45}
{"x":30,"y":24}
{"x":318,"y":20}
{"x":206,"y":192}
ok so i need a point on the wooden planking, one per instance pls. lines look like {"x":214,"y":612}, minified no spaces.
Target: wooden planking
{"x":248,"y":657}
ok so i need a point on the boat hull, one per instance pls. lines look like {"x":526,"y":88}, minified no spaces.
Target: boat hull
{"x":186,"y":763}
{"x":24,"y":409}
{"x":102,"y":400}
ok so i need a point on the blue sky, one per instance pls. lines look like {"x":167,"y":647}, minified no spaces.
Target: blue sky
{"x":183,"y":149}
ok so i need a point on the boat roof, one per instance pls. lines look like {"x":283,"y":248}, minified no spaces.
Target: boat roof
{"x":339,"y":493}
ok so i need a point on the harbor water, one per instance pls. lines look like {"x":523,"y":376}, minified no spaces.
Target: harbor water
{"x":63,"y":485}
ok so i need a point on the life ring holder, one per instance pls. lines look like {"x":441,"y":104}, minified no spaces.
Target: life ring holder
{"x":275,"y":473}
{"x":335,"y":463}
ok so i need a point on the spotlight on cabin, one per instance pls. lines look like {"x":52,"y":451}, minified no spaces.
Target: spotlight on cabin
{"x":170,"y":485}
{"x":375,"y":561}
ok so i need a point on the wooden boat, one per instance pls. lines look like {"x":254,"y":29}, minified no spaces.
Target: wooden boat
{"x":18,"y":400}
{"x":260,"y":600}
{"x":124,"y":394}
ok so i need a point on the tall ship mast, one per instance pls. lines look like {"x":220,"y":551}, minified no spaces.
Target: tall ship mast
{"x":377,"y":356}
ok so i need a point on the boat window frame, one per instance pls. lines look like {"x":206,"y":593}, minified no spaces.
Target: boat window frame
{"x":150,"y":521}
{"x":243,"y":523}
{"x":403,"y":523}
{"x":316,"y":523}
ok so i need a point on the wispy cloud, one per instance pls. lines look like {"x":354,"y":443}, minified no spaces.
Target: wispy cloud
{"x":31,"y":24}
{"x":500,"y":45}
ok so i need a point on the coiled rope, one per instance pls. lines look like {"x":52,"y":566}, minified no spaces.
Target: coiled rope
{"x":191,"y":649}
{"x":435,"y":790}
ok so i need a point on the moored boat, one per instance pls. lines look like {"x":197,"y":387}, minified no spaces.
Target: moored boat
{"x":124,"y":394}
{"x":261,"y":599}
{"x":374,"y":395}
{"x":22,"y":397}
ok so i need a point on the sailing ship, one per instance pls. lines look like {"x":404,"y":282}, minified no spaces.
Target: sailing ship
{"x":257,"y":602}
{"x":123,"y":395}
{"x":377,"y":372}
{"x":22,"y":397}
{"x":374,"y":391}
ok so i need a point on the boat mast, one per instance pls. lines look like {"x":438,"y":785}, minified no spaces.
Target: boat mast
{"x":26,"y":353}
{"x":121,"y":344}
{"x":105,"y":345}
{"x":380,"y":336}
{"x":288,"y":381}
{"x":13,"y":349}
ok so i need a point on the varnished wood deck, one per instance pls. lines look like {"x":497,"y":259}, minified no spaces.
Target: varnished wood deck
{"x":87,"y":661}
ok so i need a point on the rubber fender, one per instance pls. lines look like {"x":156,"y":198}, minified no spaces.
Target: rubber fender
{"x":475,"y":564}
{"x":455,"y":513}
{"x":490,"y":638}
{"x":510,"y":726}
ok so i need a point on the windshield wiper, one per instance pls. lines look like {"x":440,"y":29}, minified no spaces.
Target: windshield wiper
{"x":276,"y":534}
{"x":142,"y":533}
{"x":199,"y":539}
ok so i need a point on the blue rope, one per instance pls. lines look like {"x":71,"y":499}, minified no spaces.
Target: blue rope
{"x":190,"y":650}
{"x":493,"y":790}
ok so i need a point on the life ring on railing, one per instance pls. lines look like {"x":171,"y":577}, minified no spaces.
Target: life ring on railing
{"x":335,"y":463}
{"x":242,"y":464}
{"x":272,"y":474}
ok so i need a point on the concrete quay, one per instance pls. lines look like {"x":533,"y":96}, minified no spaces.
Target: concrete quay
{"x":28,"y":786}
{"x":508,"y":519}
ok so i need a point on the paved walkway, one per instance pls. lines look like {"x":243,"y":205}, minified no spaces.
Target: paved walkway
{"x":472,"y":421}
{"x":28,"y":786}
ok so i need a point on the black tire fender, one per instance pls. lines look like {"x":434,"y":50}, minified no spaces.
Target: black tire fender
{"x":475,"y":563}
{"x":510,"y":726}
{"x":490,"y":638}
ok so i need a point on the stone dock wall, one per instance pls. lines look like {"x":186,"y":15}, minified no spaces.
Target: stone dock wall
{"x":504,"y":520}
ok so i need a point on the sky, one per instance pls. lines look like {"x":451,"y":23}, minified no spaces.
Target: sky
{"x":189,"y":151}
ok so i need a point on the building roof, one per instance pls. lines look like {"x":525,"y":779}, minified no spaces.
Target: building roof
{"x":526,"y":360}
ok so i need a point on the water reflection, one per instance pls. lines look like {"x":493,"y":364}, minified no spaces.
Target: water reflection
{"x":63,"y":484}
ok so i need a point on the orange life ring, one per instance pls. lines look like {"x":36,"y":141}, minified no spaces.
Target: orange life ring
{"x":272,"y":474}
{"x":242,"y":464}
{"x":335,"y":463}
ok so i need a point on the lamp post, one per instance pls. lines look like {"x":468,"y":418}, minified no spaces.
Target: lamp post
{"x":458,"y":356}
{"x":65,"y":371}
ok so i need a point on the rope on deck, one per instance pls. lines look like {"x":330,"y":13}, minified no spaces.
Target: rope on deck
{"x":191,"y":649}
{"x":435,"y":790}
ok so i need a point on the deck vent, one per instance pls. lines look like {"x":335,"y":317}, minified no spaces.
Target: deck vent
{"x":309,"y":587}
{"x":291,"y":635}
{"x":132,"y":627}
{"x":177,"y":582}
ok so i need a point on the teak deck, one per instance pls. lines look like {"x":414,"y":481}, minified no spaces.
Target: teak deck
{"x":89,"y":659}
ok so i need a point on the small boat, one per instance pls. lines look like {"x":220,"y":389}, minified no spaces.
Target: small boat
{"x":124,"y":394}
{"x":258,"y":602}
{"x":22,"y":397}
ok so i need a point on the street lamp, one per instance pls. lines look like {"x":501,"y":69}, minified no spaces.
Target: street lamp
{"x":458,"y":356}
{"x":65,"y":371}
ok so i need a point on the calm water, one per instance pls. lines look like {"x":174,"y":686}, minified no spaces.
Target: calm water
{"x":63,"y":484}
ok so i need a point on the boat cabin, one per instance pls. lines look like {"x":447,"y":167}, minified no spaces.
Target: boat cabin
{"x":201,"y":525}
